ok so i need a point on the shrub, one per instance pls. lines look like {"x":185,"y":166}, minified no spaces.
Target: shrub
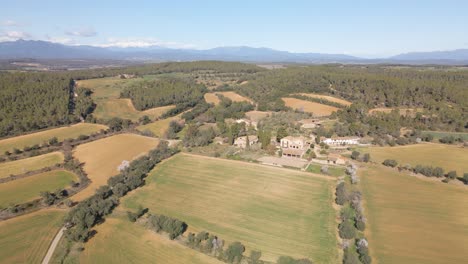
{"x":465,"y":177}
{"x":355,"y":155}
{"x":390,"y":163}
{"x":452,"y":175}
{"x":234,"y":252}
{"x":347,"y":230}
{"x":290,"y":260}
{"x":366,"y":157}
{"x":360,"y":225}
{"x":341,"y":195}
{"x":350,"y":257}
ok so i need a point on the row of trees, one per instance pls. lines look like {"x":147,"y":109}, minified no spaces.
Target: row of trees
{"x":91,"y":211}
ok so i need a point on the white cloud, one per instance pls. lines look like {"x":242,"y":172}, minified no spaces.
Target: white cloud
{"x":61,"y":40}
{"x":14,"y":35}
{"x":142,"y":43}
{"x":82,"y":32}
{"x":9,"y":23}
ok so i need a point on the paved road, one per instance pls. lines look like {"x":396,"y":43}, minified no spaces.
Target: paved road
{"x":52,"y":247}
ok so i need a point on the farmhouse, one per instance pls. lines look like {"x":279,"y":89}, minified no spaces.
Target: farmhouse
{"x":336,"y":159}
{"x":294,"y":147}
{"x":337,"y":141}
{"x":241,"y":142}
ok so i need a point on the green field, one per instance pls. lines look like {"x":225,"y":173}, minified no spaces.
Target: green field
{"x":158,"y":128}
{"x":25,"y":239}
{"x":120,"y":241}
{"x":441,"y":134}
{"x":414,"y":221}
{"x":277,"y":211}
{"x":332,"y":170}
{"x":27,"y":189}
{"x":448,"y":157}
{"x":43,"y":136}
{"x":34,"y":163}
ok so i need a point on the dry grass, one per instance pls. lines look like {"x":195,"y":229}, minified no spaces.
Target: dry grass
{"x":310,"y":107}
{"x":413,"y":221}
{"x":34,"y":163}
{"x":257,"y":115}
{"x":448,"y":157}
{"x":102,"y":157}
{"x":213,"y":98}
{"x":27,"y":189}
{"x":120,"y":241}
{"x":403,"y":111}
{"x":328,"y":98}
{"x":25,"y":239}
{"x":277,"y":211}
{"x":61,"y":133}
{"x":159,"y":128}
{"x":106,"y":93}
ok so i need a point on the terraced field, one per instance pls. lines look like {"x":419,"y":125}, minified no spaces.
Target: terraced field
{"x":30,"y":164}
{"x":277,"y":211}
{"x":102,"y":157}
{"x":25,"y":239}
{"x":448,"y":157}
{"x":61,"y":133}
{"x":413,"y":221}
{"x":212,"y":98}
{"x":310,"y":107}
{"x":27,"y":189}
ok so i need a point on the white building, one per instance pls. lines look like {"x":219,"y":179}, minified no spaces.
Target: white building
{"x":340,"y":141}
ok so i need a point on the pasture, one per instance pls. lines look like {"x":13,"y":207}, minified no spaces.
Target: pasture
{"x":278,"y":211}
{"x":328,"y":98}
{"x":310,"y":107}
{"x":106,"y":95}
{"x":213,"y":98}
{"x":448,"y":157}
{"x":159,"y":127}
{"x":25,"y":239}
{"x":132,"y":243}
{"x":61,"y":133}
{"x":257,"y":115}
{"x":102,"y":157}
{"x":414,"y":221}
{"x":27,"y":189}
{"x":30,"y":164}
{"x":332,"y":170}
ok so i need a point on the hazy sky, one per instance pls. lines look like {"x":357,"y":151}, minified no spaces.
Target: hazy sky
{"x":364,"y":28}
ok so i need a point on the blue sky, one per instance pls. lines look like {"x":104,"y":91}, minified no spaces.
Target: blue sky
{"x":364,"y":28}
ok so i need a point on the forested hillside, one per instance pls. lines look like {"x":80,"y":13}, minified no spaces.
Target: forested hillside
{"x":162,"y":92}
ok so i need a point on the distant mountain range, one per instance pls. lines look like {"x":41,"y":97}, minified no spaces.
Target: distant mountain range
{"x":36,"y":49}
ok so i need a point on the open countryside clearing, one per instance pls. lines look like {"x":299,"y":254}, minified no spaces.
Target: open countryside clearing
{"x":414,"y":221}
{"x":403,"y":111}
{"x":328,"y":98}
{"x":448,"y":157}
{"x":106,"y":94}
{"x":25,"y":239}
{"x":102,"y":157}
{"x":277,"y":211}
{"x":213,"y":98}
{"x":132,"y":243}
{"x":309,"y":107}
{"x":27,"y":189}
{"x":158,"y":128}
{"x":30,"y":164}
{"x":61,"y":133}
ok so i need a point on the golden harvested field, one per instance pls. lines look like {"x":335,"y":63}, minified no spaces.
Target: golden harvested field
{"x":413,"y":221}
{"x":403,"y":111}
{"x":277,"y":211}
{"x":159,"y":128}
{"x":328,"y":98}
{"x":102,"y":157}
{"x":29,"y":164}
{"x":61,"y":133}
{"x":448,"y":157}
{"x":310,"y":107}
{"x":106,"y":93}
{"x":27,"y":189}
{"x":212,"y":98}
{"x":25,"y":239}
{"x":257,"y":115}
{"x":120,"y":241}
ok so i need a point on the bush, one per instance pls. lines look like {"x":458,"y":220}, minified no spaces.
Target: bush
{"x":234,"y":252}
{"x":290,"y":260}
{"x":355,"y":155}
{"x":452,"y":175}
{"x":341,"y":195}
{"x":390,"y":163}
{"x":172,"y":226}
{"x":360,"y":225}
{"x":350,"y":257}
{"x":366,"y":157}
{"x":465,"y":178}
{"x":347,"y":230}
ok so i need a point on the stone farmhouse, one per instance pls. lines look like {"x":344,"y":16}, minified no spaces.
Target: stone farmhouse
{"x":294,"y":147}
{"x":336,"y":159}
{"x":341,"y":141}
{"x":241,"y":142}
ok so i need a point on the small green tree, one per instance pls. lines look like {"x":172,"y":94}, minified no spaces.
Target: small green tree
{"x":366,"y":157}
{"x":255,"y":257}
{"x":347,"y":230}
{"x":234,"y":252}
{"x":281,"y":133}
{"x":355,"y":155}
{"x":452,"y":175}
{"x":465,"y":177}
{"x":390,"y":163}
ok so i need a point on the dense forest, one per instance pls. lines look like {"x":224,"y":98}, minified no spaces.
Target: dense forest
{"x":31,"y":101}
{"x":162,"y":92}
